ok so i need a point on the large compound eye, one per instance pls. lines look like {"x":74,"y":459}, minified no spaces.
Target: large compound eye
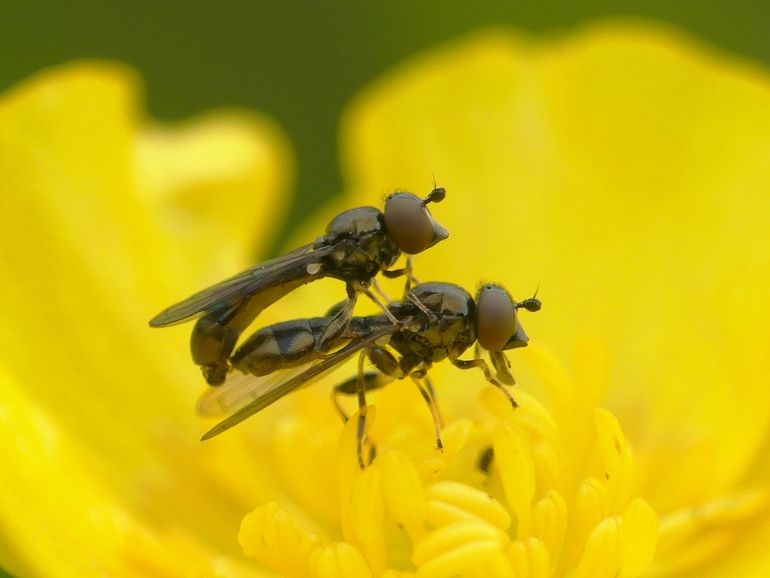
{"x":410,"y":225}
{"x":496,"y":320}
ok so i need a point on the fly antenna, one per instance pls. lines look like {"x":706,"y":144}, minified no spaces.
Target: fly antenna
{"x":533,"y":303}
{"x":436,"y":195}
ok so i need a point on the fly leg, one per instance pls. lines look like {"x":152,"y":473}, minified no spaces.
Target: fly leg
{"x":410,"y":278}
{"x":364,"y":288}
{"x":373,"y":297}
{"x":378,"y":288}
{"x":428,"y":394}
{"x":427,"y":312}
{"x":362,"y":409}
{"x":432,"y":390}
{"x":408,"y":295}
{"x":470,"y":363}
{"x":339,"y":320}
{"x":372,"y":380}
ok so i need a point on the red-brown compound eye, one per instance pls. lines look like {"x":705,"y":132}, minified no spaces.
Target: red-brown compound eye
{"x":496,"y":319}
{"x":410,"y":225}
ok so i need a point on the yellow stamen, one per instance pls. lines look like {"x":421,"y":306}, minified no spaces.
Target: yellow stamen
{"x":340,"y":560}
{"x":638,"y":537}
{"x":444,"y":540}
{"x":470,"y":500}
{"x":365,"y":526}
{"x":267,"y":533}
{"x":403,"y":492}
{"x":617,"y":459}
{"x":459,"y":559}
{"x":518,"y":474}
{"x":529,"y":558}
{"x":600,"y":558}
{"x":549,"y":521}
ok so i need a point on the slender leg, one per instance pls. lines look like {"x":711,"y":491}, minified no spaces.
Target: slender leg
{"x":378,"y":288}
{"x":427,"y":312}
{"x":374,"y":298}
{"x":463,"y":364}
{"x":433,"y":409}
{"x":372,"y":380}
{"x":408,"y":295}
{"x":338,"y":321}
{"x":429,"y":382}
{"x":338,"y":406}
{"x":361,"y":410}
{"x":394,"y":273}
{"x":409,"y":276}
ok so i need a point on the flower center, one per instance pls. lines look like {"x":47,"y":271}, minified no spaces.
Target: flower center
{"x":510,"y":495}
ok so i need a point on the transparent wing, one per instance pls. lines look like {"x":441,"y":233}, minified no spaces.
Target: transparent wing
{"x":243,"y":284}
{"x":265,"y":395}
{"x":239,"y":389}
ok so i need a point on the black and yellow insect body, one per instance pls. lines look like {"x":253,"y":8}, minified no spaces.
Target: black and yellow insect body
{"x":437,"y":321}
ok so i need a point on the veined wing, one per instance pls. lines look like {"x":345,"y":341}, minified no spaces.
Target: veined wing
{"x":269,"y":395}
{"x":239,"y":389}
{"x":243,"y":284}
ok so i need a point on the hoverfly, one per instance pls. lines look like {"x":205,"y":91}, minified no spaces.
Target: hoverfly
{"x":283,"y":357}
{"x":358,"y":244}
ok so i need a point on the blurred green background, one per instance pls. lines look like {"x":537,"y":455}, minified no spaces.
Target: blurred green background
{"x":301,"y":62}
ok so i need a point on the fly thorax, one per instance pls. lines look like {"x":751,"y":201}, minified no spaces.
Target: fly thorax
{"x":355,"y":222}
{"x":361,"y":258}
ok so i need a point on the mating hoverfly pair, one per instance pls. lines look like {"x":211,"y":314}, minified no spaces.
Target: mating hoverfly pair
{"x":432,"y":322}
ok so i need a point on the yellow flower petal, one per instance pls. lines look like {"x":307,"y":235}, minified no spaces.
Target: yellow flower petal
{"x":76,"y":241}
{"x":55,"y":515}
{"x":73,"y":240}
{"x":690,"y":536}
{"x":91,"y":259}
{"x":743,"y":559}
{"x":61,"y":520}
{"x":218,"y":185}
